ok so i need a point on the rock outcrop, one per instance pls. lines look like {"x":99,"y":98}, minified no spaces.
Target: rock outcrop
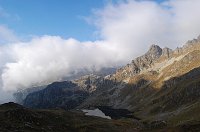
{"x":167,"y":52}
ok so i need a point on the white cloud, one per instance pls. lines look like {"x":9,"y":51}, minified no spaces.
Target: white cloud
{"x":134,"y":25}
{"x":7,"y":35}
{"x":185,"y":19}
{"x":50,"y":58}
{"x":127,"y":29}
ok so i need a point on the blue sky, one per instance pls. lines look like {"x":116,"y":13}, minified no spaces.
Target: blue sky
{"x":51,"y":17}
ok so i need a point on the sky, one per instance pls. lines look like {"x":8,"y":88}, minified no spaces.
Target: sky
{"x":43,"y":41}
{"x":65,"y":18}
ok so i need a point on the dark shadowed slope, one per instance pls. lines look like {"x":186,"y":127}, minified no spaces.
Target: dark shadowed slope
{"x":14,"y":117}
{"x":65,"y":95}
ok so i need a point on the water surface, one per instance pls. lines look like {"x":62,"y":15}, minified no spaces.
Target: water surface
{"x":96,"y":112}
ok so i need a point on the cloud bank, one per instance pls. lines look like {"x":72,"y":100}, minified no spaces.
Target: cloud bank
{"x":126,"y":30}
{"x":50,"y":58}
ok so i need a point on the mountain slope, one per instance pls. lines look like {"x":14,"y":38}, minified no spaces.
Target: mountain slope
{"x":65,"y":95}
{"x":14,"y":117}
{"x":159,"y":84}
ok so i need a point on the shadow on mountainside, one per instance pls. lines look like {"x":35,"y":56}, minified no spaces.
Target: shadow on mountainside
{"x":14,"y":117}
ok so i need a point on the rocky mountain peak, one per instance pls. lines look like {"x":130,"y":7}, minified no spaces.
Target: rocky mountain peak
{"x":154,"y":47}
{"x":140,"y":63}
{"x":154,"y":51}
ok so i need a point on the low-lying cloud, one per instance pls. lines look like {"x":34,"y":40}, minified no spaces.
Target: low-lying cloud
{"x":126,"y":30}
{"x":50,"y":58}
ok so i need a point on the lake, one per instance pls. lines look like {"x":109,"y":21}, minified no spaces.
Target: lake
{"x":110,"y":113}
{"x":96,"y":112}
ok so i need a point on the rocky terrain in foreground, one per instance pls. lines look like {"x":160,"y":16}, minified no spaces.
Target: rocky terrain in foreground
{"x":16,"y":118}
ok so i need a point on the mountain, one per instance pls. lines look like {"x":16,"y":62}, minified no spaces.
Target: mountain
{"x":84,"y":72}
{"x":21,"y":94}
{"x":161,"y":86}
{"x":65,"y":95}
